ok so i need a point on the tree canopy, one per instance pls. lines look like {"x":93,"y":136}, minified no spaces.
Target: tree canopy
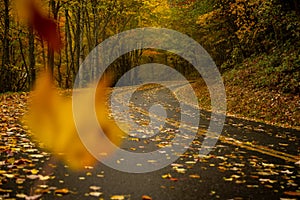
{"x":259,"y":35}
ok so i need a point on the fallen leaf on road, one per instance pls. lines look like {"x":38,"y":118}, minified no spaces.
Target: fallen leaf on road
{"x":117,"y":197}
{"x":44,"y":178}
{"x":34,"y":171}
{"x":179,"y":170}
{"x":95,"y":188}
{"x":20,"y":181}
{"x":166,"y":176}
{"x":33,"y":197}
{"x":62,"y":191}
{"x":21,"y":196}
{"x":9,"y":175}
{"x":95,"y":194}
{"x":252,"y":186}
{"x":146,"y":197}
{"x":5,"y":190}
{"x":286,"y":172}
{"x":194,"y":176}
{"x":292,"y":193}
{"x":227,"y":179}
{"x":32,"y":176}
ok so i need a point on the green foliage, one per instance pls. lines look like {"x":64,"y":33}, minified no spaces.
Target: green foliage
{"x":264,"y":51}
{"x":273,"y":71}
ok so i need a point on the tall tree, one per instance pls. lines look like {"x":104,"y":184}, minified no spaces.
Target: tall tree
{"x":5,"y":70}
{"x":31,"y":58}
{"x":54,"y":7}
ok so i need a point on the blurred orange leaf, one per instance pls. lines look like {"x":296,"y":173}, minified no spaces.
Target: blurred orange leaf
{"x":46,"y":27}
{"x":50,"y":118}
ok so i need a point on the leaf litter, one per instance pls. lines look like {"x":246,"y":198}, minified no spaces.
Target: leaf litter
{"x":21,"y":160}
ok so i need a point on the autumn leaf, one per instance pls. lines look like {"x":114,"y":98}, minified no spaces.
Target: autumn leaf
{"x":146,"y":197}
{"x":50,"y":118}
{"x":46,"y":27}
{"x":291,"y":193}
{"x":194,"y":176}
{"x":95,"y":194}
{"x":166,"y":176}
{"x":117,"y":197}
{"x":94,"y":188}
{"x":62,"y":191}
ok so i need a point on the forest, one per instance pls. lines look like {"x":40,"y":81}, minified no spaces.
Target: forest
{"x":228,"y":135}
{"x":259,"y":37}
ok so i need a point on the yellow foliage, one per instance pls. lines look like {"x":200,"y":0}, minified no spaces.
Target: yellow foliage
{"x":205,"y":18}
{"x":51,"y":121}
{"x":244,"y":11}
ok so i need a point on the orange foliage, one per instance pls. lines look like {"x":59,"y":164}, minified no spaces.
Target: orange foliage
{"x":51,"y":121}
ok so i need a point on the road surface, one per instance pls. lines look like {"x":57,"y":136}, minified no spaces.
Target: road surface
{"x":250,"y":161}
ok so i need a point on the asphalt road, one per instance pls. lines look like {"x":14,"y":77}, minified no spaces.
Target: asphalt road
{"x":250,"y":161}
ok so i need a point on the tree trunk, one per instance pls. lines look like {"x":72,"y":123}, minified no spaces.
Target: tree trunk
{"x":24,"y":60}
{"x":67,"y":29}
{"x":31,"y":59}
{"x":69,"y":43}
{"x":50,"y":67}
{"x":77,"y":43}
{"x":55,"y":6}
{"x":5,"y":70}
{"x":296,"y":5}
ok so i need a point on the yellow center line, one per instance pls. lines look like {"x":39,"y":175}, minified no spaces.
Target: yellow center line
{"x":261,"y":149}
{"x":228,"y":140}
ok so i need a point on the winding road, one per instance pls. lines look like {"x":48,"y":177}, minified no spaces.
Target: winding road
{"x":249,"y":161}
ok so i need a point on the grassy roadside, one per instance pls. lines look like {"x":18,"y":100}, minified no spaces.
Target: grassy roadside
{"x":262,"y":105}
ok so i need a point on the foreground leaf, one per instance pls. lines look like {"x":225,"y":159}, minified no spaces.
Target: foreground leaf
{"x":51,"y":120}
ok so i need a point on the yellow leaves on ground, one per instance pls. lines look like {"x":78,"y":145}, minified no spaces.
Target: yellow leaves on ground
{"x":146,"y":197}
{"x":118,"y":197}
{"x":51,"y":121}
{"x":62,"y":191}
